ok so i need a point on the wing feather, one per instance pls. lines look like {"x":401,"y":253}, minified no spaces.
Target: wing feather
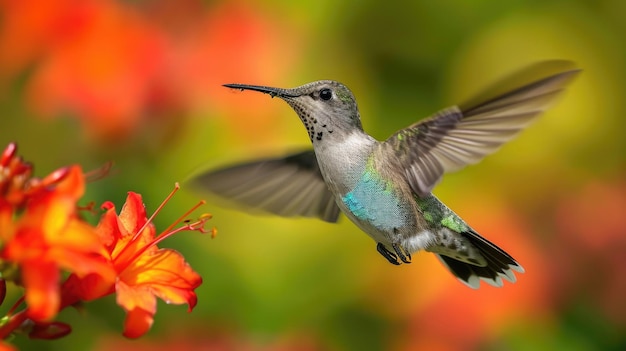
{"x":287,"y":186}
{"x":458,"y":136}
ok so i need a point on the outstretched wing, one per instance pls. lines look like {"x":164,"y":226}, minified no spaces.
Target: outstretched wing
{"x":288,"y":186}
{"x":458,"y":136}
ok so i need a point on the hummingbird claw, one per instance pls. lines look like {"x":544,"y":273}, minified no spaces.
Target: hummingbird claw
{"x":402,"y":253}
{"x":390,"y":256}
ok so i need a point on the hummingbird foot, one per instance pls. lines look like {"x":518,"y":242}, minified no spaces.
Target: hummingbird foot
{"x":390,"y":256}
{"x":404,"y":255}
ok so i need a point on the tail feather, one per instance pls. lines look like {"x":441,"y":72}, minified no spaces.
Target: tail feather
{"x":500,"y":265}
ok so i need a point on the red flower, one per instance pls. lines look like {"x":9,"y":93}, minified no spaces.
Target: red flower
{"x":48,"y":236}
{"x":42,"y":234}
{"x":144,"y":272}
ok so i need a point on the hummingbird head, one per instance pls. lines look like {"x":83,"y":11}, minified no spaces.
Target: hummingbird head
{"x":326,"y":108}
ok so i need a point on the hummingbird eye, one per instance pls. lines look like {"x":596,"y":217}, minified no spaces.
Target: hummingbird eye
{"x":326,"y":94}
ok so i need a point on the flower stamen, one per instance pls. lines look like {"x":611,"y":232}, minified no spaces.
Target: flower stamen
{"x":99,"y":173}
{"x":167,"y":199}
{"x":194,"y":226}
{"x":181,"y":218}
{"x":198,"y":226}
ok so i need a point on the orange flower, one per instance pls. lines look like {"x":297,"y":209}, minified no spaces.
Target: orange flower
{"x":589,"y":253}
{"x":144,"y":272}
{"x":48,"y":236}
{"x":42,"y":236}
{"x":15,"y":179}
{"x":120,"y":68}
{"x":17,"y":185}
{"x":100,"y":60}
{"x":4,"y":346}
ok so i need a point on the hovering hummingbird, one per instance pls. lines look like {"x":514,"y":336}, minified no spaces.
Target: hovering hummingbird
{"x":385,"y":187}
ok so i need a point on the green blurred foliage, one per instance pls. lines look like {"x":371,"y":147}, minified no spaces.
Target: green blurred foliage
{"x":281,"y":284}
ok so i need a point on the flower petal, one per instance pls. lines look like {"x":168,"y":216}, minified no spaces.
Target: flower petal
{"x":50,"y":331}
{"x":135,"y":297}
{"x":81,"y":264}
{"x":70,"y":182}
{"x":137,"y":323}
{"x":79,"y":237}
{"x":133,"y":214}
{"x":7,"y":229}
{"x":140,"y":306}
{"x":86,"y":288}
{"x":41,"y":280}
{"x":3,"y":290}
{"x":168,"y":275}
{"x":108,"y":228}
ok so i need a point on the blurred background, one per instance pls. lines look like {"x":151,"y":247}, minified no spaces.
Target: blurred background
{"x":139,"y":83}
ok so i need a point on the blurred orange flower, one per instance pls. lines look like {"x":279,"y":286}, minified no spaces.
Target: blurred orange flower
{"x":144,"y":272}
{"x":589,"y":246}
{"x":218,"y":50}
{"x":6,"y":346}
{"x":105,"y":73}
{"x":120,"y":68}
{"x":457,"y":318}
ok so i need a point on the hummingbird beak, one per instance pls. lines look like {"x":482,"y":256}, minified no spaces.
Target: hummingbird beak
{"x":281,"y":93}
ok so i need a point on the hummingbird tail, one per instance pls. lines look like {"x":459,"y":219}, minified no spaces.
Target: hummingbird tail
{"x":500,"y":265}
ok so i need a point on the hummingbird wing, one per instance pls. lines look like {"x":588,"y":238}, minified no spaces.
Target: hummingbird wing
{"x":287,"y":186}
{"x":458,"y":136}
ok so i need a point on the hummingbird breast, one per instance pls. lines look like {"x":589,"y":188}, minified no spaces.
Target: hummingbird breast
{"x":366,"y":190}
{"x":377,"y":202}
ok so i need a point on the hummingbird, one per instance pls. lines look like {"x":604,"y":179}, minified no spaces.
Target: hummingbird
{"x":385,"y":187}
